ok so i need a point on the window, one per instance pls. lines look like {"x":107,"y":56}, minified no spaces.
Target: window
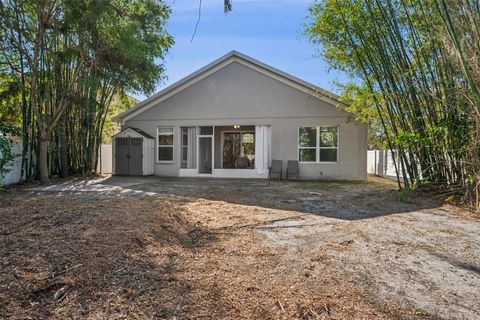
{"x":184,"y":147}
{"x":206,"y":130}
{"x":307,"y":144}
{"x":189,"y":142}
{"x":165,"y":144}
{"x":317,"y":144}
{"x":328,"y":144}
{"x":248,"y":143}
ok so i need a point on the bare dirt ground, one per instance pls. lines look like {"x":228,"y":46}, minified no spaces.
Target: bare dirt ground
{"x":157,"y":248}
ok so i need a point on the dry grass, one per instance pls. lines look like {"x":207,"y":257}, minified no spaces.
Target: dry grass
{"x":168,"y":256}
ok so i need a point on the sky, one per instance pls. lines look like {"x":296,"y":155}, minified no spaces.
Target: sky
{"x":267,"y":30}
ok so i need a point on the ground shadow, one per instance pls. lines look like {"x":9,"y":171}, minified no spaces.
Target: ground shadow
{"x":76,"y":257}
{"x":340,"y":200}
{"x":468,"y":266}
{"x":141,"y":251}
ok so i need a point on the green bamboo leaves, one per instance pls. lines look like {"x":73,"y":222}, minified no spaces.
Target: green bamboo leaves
{"x":420,"y":84}
{"x":70,"y":58}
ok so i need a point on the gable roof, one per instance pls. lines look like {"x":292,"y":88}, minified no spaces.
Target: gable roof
{"x":141,"y":132}
{"x":232,"y":56}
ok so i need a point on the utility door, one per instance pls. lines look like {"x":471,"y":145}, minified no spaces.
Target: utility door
{"x":121,"y":156}
{"x":136,"y":157}
{"x":128,"y":156}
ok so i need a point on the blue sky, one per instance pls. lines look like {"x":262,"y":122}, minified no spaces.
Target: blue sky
{"x":267,"y":30}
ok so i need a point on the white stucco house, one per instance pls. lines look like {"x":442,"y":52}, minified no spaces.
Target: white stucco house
{"x":232,"y":117}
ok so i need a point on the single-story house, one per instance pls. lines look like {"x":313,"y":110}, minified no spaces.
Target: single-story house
{"x":233,"y":116}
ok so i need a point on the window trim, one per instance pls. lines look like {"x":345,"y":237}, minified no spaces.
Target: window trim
{"x":165,"y":146}
{"x":182,"y":146}
{"x":317,"y":146}
{"x":314,"y":148}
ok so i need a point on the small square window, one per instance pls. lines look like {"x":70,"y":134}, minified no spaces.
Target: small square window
{"x":307,"y":155}
{"x":328,"y":155}
{"x":328,"y":137}
{"x":165,"y":130}
{"x":164,"y":140}
{"x":165,"y":153}
{"x":206,"y":130}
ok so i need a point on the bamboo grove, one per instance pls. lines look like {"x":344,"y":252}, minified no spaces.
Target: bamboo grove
{"x":414,"y":67}
{"x":61,"y":64}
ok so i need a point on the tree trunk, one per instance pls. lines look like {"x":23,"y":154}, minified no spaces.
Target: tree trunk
{"x":62,"y":139}
{"x":43,"y":163}
{"x":94,"y":155}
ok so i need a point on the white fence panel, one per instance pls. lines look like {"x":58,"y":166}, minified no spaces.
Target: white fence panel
{"x":372,"y":161}
{"x":380,"y":163}
{"x":14,"y":175}
{"x":104,"y":163}
{"x":390,"y":171}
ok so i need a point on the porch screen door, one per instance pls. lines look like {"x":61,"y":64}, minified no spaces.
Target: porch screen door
{"x":205,"y":156}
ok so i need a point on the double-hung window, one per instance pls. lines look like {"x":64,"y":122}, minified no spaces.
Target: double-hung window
{"x":318,"y":144}
{"x":307,"y":144}
{"x":165,"y":144}
{"x":328,"y":144}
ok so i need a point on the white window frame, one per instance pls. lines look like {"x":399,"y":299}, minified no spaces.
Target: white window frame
{"x":314,"y":148}
{"x":317,"y":146}
{"x":165,"y":145}
{"x":182,"y":146}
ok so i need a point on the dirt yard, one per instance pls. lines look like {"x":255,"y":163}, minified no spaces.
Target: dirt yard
{"x":156,"y":248}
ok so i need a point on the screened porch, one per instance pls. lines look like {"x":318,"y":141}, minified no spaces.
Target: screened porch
{"x":229,"y":151}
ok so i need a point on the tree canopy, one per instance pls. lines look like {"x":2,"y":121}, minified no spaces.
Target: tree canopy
{"x":414,"y":70}
{"x":64,"y":60}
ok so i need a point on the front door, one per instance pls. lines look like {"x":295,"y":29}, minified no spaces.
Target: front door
{"x":231,"y":149}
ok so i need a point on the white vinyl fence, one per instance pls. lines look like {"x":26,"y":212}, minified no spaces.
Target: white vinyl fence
{"x":380,"y":163}
{"x":104,"y":165}
{"x":13,"y":176}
